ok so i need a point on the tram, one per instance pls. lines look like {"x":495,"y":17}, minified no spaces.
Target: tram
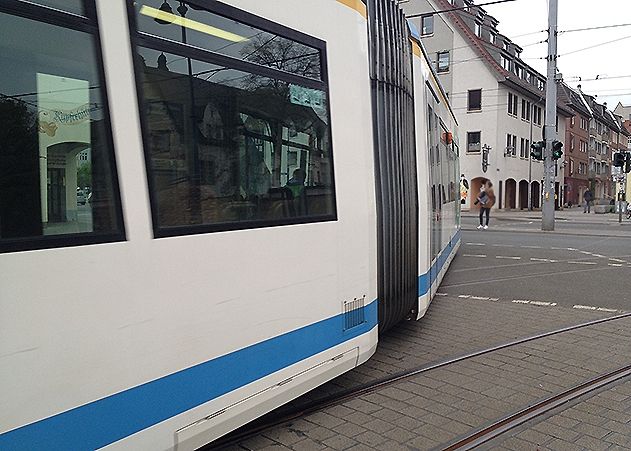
{"x":208,"y":209}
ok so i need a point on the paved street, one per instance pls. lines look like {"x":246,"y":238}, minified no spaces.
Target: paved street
{"x":507,"y":282}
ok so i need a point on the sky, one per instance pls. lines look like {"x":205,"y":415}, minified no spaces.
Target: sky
{"x":521,"y":17}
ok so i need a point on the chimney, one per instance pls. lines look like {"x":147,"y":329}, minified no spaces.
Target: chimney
{"x":579,"y":87}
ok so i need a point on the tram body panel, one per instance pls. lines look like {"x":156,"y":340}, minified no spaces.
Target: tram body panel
{"x":146,"y":310}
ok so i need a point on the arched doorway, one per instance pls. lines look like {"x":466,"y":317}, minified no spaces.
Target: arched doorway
{"x":476,"y":185}
{"x":511,"y":194}
{"x":535,"y":194}
{"x":523,"y":194}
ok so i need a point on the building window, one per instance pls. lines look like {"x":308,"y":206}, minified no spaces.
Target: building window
{"x":473,"y":142}
{"x":584,"y":123}
{"x":230,"y":144}
{"x":522,"y":148}
{"x":512,"y":104}
{"x":505,"y":45}
{"x":511,"y":145}
{"x":478,"y":29}
{"x":525,"y":109}
{"x":571,"y":143}
{"x":493,"y":38}
{"x":443,"y":62}
{"x":572,"y":121}
{"x":58,"y":185}
{"x":505,"y":62}
{"x":427,"y":25}
{"x":475,"y":100}
{"x":536,"y":114}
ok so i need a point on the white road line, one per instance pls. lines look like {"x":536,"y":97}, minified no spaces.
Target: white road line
{"x":557,"y":248}
{"x":541,"y":303}
{"x":603,"y":309}
{"x":441,"y":294}
{"x":617,"y":265}
{"x":532,"y":247}
{"x":464,"y":296}
{"x":571,"y":249}
{"x":476,"y":244}
{"x":502,"y":245}
{"x":494,"y":299}
{"x":480,"y":298}
{"x":582,"y":263}
{"x":543,"y":260}
{"x":585,"y":252}
{"x":507,"y":257}
{"x":474,"y":255}
{"x":616,"y":260}
{"x":599,"y":256}
{"x":585,"y":307}
{"x":520,"y":301}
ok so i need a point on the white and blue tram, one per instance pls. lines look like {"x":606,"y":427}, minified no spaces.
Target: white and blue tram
{"x":207,"y":209}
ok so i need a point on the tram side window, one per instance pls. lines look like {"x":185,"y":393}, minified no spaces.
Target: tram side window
{"x":229,"y":147}
{"x":57,"y":178}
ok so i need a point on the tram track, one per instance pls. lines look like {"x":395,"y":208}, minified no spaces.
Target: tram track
{"x":505,"y":424}
{"x":272,"y":420}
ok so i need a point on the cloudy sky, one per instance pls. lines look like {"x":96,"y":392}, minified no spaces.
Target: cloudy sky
{"x":520,"y":18}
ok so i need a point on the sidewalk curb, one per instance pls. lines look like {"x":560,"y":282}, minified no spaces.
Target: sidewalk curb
{"x":552,"y":232}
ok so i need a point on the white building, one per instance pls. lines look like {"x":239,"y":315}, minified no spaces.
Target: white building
{"x":498,"y":99}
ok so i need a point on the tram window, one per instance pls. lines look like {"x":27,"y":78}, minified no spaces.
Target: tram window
{"x":57,"y":179}
{"x":197,"y":27}
{"x":232,"y":149}
{"x":71,"y":6}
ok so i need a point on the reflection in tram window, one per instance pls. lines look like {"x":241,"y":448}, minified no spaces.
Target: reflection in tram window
{"x":56,"y":176}
{"x":197,"y":27}
{"x":228,"y":146}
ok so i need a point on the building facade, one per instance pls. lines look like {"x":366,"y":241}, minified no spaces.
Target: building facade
{"x":499,"y":100}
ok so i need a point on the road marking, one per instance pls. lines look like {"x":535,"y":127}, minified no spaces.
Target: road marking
{"x":476,"y":244}
{"x":464,"y":296}
{"x":494,"y":299}
{"x":603,"y":309}
{"x":480,"y":298}
{"x":441,"y":294}
{"x":520,"y":301}
{"x":582,"y":263}
{"x":507,"y":257}
{"x":585,"y":252}
{"x":502,"y":245}
{"x":543,"y":303}
{"x":543,"y":260}
{"x":617,"y":265}
{"x":585,"y":307}
{"x":599,"y":256}
{"x":571,"y":249}
{"x":531,"y":247}
{"x":616,"y":260}
{"x":557,"y":248}
{"x":474,"y":255}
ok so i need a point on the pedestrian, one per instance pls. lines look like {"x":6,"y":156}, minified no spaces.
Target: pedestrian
{"x":587,"y":198}
{"x":486,"y":199}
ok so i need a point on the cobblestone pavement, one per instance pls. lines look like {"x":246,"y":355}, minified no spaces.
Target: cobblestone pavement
{"x":438,"y":406}
{"x":600,"y":422}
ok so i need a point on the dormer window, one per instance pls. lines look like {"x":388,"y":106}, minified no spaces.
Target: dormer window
{"x":505,"y":62}
{"x":427,"y":25}
{"x":493,"y":38}
{"x":478,"y":29}
{"x":505,"y":45}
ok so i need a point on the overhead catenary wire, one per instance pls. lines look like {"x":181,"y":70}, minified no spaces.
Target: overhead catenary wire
{"x":411,"y":16}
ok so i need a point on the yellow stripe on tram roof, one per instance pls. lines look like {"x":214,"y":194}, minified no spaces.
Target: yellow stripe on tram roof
{"x":357,"y":5}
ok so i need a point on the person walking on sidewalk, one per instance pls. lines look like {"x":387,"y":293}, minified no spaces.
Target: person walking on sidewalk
{"x":486,"y":199}
{"x":587,"y":198}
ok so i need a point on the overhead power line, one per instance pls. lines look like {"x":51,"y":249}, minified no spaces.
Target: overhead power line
{"x":431,"y":13}
{"x":594,"y":46}
{"x":596,"y":28}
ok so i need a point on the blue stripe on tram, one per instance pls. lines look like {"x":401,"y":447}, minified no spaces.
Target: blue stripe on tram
{"x":115,"y":417}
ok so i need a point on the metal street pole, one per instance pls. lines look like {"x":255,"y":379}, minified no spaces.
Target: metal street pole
{"x":547,"y":213}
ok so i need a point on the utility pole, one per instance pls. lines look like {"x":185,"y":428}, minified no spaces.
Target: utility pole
{"x":550,"y":133}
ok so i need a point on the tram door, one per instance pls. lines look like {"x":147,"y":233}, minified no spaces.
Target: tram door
{"x":56,"y":195}
{"x":435,"y":186}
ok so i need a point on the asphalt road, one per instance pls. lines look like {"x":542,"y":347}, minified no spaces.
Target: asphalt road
{"x":588,"y":271}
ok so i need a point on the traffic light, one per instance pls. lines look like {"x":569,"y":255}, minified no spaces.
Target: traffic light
{"x":556,"y":150}
{"x":627,"y":162}
{"x":537,"y":149}
{"x":619,"y":159}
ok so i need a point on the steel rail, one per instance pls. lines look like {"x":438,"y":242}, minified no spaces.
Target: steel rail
{"x":511,"y":421}
{"x":265,"y":423}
